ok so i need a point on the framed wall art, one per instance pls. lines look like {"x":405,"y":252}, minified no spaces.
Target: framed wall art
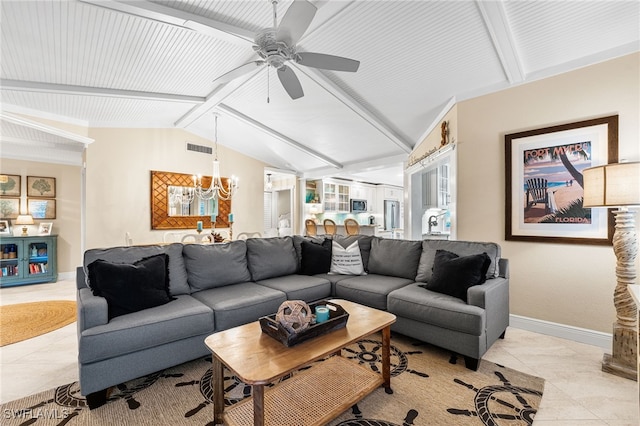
{"x":41,"y":208}
{"x":10,"y":185}
{"x":5,"y":227}
{"x":9,"y":208}
{"x":44,"y":228}
{"x":38,"y":186}
{"x":544,"y":191}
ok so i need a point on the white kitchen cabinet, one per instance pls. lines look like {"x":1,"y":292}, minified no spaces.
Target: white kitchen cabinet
{"x":366,"y":192}
{"x":335,"y":197}
{"x":392,"y":193}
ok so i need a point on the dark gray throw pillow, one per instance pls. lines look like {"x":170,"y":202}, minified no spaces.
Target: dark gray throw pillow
{"x":454,"y":275}
{"x":131,"y":287}
{"x":316,"y":258}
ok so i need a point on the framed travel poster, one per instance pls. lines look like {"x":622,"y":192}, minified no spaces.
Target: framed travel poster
{"x":544,"y":182}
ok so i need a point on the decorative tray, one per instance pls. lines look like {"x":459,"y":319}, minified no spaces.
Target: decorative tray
{"x":337,"y":319}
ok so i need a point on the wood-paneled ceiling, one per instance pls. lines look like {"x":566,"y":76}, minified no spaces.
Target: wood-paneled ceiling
{"x":139,"y":63}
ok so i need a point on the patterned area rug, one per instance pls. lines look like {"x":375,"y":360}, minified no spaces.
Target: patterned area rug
{"x":26,"y":320}
{"x":430,"y":387}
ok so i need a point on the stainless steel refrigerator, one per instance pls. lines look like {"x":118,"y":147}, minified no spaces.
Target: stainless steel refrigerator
{"x":391,"y":215}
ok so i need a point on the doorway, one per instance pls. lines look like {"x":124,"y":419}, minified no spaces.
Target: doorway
{"x":279,"y":202}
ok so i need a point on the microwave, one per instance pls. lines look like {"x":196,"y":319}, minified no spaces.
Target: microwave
{"x":358,"y":206}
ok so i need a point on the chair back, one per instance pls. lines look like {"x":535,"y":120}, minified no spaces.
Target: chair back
{"x":194,"y":238}
{"x":310,"y":228}
{"x":537,"y":193}
{"x":330,"y":227}
{"x":245,"y":235}
{"x":351,"y":226}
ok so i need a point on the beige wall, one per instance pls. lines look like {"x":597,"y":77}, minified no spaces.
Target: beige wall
{"x":564,"y":283}
{"x":118,"y":181}
{"x":67,"y":222}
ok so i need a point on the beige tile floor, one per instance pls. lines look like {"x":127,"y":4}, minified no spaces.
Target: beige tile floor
{"x":576,"y":391}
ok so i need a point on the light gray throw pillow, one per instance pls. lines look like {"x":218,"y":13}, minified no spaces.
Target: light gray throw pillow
{"x":271,"y":257}
{"x":216,"y":265}
{"x":395,"y":258}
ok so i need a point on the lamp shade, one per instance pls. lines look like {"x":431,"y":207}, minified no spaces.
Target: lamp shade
{"x":612,"y":185}
{"x":24,"y":219}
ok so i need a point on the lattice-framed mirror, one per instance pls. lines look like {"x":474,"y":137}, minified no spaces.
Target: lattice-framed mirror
{"x":160,"y":217}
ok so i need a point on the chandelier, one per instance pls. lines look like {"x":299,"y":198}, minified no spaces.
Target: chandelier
{"x":180,"y":195}
{"x":216,"y":189}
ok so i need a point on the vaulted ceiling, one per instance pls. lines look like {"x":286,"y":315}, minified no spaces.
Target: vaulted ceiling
{"x":141,"y":63}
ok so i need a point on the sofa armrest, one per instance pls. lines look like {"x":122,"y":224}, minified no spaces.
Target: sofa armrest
{"x":503,"y":268}
{"x":493,"y":297}
{"x":81,"y":281}
{"x":92,"y":310}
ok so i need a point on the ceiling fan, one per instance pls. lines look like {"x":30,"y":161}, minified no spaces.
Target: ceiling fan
{"x":277,"y":45}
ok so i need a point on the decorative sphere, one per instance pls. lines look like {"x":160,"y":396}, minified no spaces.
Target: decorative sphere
{"x":294,"y":315}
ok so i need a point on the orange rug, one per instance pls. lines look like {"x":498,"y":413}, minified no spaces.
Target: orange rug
{"x":26,"y":320}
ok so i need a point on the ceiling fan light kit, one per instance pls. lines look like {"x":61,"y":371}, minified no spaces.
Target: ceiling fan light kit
{"x":277,"y":45}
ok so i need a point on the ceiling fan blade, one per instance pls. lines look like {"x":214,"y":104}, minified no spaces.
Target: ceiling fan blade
{"x":295,"y":22}
{"x":290,"y":82}
{"x":238,"y":72}
{"x":327,"y":62}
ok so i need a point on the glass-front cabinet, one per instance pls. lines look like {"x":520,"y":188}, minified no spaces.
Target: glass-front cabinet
{"x":28,"y":260}
{"x":336,"y":197}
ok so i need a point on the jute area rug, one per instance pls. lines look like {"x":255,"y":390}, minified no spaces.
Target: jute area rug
{"x":430,"y":387}
{"x":26,"y":320}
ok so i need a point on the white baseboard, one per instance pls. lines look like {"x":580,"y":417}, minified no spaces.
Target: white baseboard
{"x":64,"y":276}
{"x":577,"y":334}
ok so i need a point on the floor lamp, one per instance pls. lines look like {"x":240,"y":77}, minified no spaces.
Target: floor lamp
{"x":618,"y":185}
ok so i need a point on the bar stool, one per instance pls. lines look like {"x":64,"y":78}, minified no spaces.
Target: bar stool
{"x":351,"y":226}
{"x":310,"y":228}
{"x":330,"y":227}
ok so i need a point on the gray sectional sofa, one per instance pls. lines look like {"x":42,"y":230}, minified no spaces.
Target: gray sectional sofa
{"x":216,"y":287}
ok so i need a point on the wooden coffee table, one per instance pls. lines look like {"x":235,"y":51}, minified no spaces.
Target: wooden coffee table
{"x":311,"y":397}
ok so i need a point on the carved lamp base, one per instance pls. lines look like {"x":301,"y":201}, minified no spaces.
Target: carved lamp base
{"x":623,"y":361}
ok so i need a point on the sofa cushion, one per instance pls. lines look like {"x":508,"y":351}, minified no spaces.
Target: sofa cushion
{"x":271,"y":257}
{"x":300,"y":287}
{"x":239,"y":304}
{"x":441,"y":310}
{"x":461,"y":248}
{"x":333,"y":279}
{"x":216,"y":265}
{"x":395,"y":258}
{"x":131,"y":287}
{"x":364,"y":243}
{"x":370,"y":290}
{"x":346,"y":260}
{"x":182,"y":318}
{"x":316,"y":258}
{"x":454,"y":275}
{"x":177,"y":272}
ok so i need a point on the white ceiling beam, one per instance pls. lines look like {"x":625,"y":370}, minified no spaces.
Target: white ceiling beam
{"x":168,"y":15}
{"x":214,"y":98}
{"x":50,"y":130}
{"x":273,"y":133}
{"x":495,"y":18}
{"x":356,"y":167}
{"x":64,"y":89}
{"x":355,"y":106}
